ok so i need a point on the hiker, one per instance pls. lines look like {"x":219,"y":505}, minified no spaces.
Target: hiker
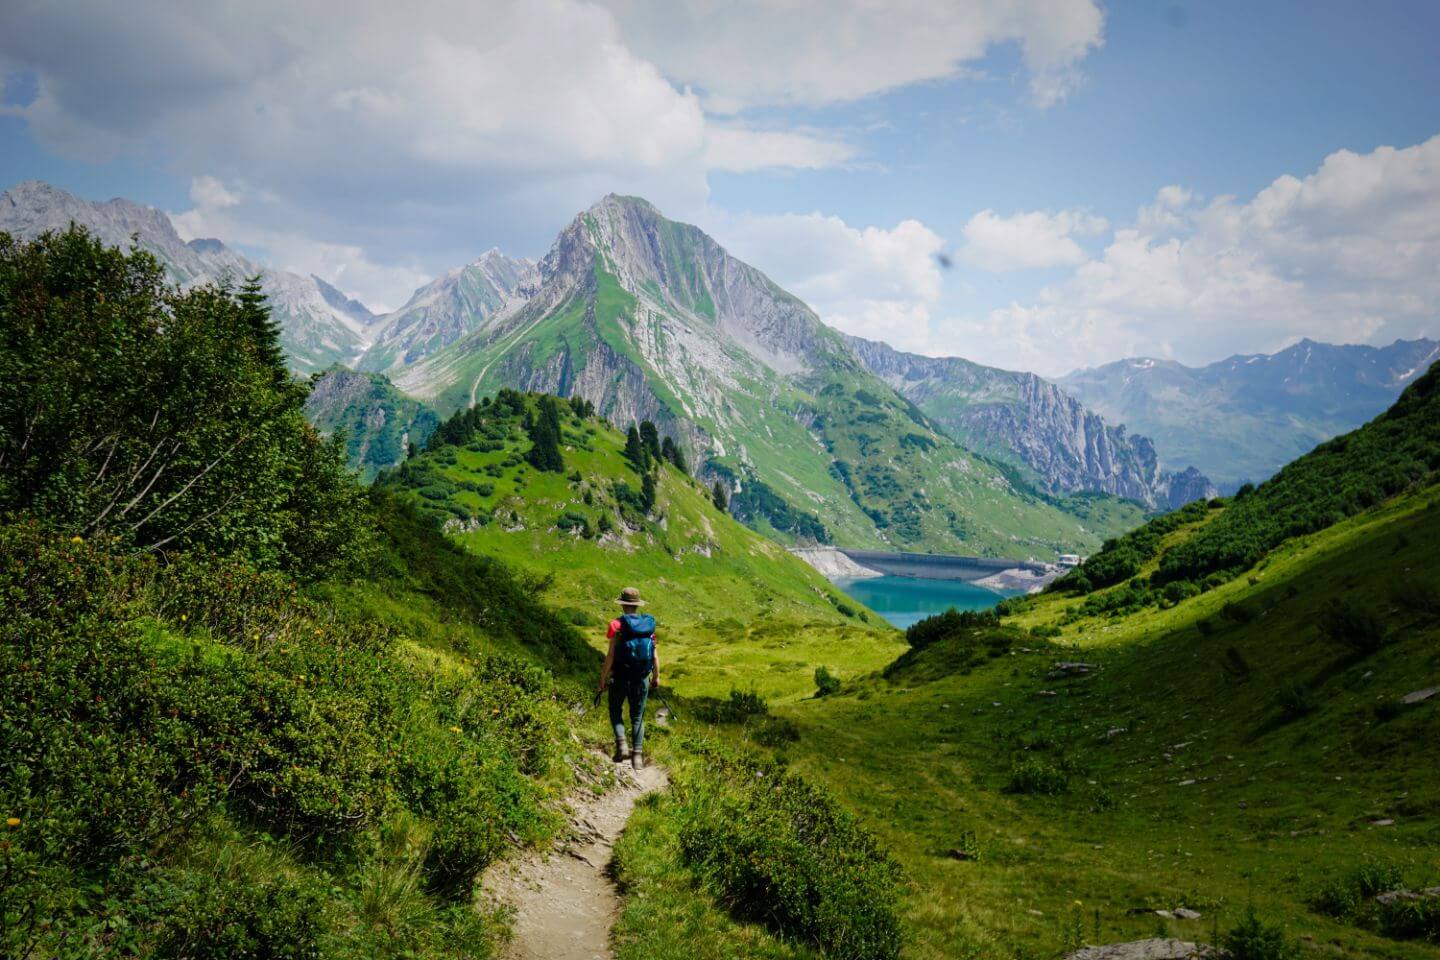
{"x":635,"y":671}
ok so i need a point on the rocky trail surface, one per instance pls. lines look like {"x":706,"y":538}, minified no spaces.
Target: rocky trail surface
{"x":564,"y":901}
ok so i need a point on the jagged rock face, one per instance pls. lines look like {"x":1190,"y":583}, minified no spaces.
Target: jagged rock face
{"x":448,"y":308}
{"x":1030,"y":422}
{"x":653,"y":320}
{"x":1245,"y":417}
{"x":319,"y":324}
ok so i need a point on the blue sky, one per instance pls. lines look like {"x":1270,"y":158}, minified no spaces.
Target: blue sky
{"x":1175,"y":179}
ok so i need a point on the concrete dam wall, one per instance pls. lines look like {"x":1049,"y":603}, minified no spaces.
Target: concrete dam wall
{"x":934,"y":566}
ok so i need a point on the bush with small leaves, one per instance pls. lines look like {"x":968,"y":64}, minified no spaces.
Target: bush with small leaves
{"x":826,"y":683}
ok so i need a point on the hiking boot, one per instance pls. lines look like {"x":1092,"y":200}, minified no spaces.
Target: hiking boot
{"x":620,"y":750}
{"x":637,"y":760}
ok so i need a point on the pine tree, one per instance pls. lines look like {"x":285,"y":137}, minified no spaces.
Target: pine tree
{"x":545,"y":438}
{"x":635,"y":450}
{"x":264,"y":331}
{"x":650,"y":437}
{"x":672,"y":452}
{"x":647,"y":491}
{"x":717,"y":496}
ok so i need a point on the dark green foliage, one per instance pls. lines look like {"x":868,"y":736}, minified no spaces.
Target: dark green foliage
{"x":131,"y":410}
{"x":1036,"y":775}
{"x":717,"y":497}
{"x":740,"y":707}
{"x":582,"y":408}
{"x":1254,"y":939}
{"x":1237,"y":613}
{"x":647,"y":492}
{"x":264,"y":331}
{"x":374,"y":418}
{"x":671,"y":451}
{"x":1338,"y":479}
{"x":635,"y":450}
{"x":1122,"y":557}
{"x":1346,"y":895}
{"x":951,"y":625}
{"x":544,"y":453}
{"x":776,"y":732}
{"x":781,"y":851}
{"x":1410,"y":919}
{"x":1235,"y":665}
{"x":757,"y":500}
{"x":650,"y":440}
{"x":1353,"y":625}
{"x":141,"y":701}
{"x":826,"y":683}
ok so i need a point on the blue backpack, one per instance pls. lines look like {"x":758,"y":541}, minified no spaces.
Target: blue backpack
{"x":635,"y":651}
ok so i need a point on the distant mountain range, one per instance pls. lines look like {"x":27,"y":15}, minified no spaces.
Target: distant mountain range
{"x":653,"y":319}
{"x":1243,"y":418}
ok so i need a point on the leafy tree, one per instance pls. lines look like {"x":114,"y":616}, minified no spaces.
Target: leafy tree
{"x":545,"y":438}
{"x":134,"y":411}
{"x":717,"y":497}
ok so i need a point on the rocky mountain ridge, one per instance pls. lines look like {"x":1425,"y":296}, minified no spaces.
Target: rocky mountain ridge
{"x":1242,"y":418}
{"x":319,"y":324}
{"x":1025,"y":420}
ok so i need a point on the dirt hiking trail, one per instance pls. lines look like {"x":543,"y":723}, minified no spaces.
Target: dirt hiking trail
{"x":564,"y":902}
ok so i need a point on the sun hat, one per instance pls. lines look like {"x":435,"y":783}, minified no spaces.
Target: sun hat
{"x":630,"y":596}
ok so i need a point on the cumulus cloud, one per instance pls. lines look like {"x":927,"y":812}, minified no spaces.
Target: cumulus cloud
{"x":1027,"y":240}
{"x":1346,"y":253}
{"x":815,"y":52}
{"x":392,"y":128}
{"x":875,"y":282}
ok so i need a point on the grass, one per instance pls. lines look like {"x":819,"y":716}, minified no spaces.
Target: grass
{"x":734,"y":607}
{"x":1185,"y":783}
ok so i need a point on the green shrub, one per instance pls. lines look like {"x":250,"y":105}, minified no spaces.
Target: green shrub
{"x":826,"y":683}
{"x":776,"y":732}
{"x":779,"y":850}
{"x":739,"y":707}
{"x":1035,"y":775}
{"x":948,"y":625}
{"x":1254,"y":939}
{"x":1410,"y":919}
{"x":1346,"y":894}
{"x":1352,"y":625}
{"x":212,"y":915}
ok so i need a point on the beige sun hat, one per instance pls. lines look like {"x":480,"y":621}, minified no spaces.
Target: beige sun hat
{"x":630,"y":596}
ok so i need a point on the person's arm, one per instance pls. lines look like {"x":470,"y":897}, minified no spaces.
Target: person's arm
{"x":655,"y":673}
{"x":609,"y":658}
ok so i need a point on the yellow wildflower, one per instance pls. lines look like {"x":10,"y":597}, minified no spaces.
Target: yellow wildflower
{"x":77,"y":539}
{"x":455,"y":730}
{"x":12,"y":822}
{"x":183,"y":618}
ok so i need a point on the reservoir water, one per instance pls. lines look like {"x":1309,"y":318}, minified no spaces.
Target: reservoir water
{"x":904,"y":600}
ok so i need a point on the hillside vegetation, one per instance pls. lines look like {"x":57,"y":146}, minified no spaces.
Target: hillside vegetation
{"x":1263,"y":753}
{"x":378,"y":422}
{"x":735,"y":608}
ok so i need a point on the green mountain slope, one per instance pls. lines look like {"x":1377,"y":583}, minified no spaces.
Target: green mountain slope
{"x":651,"y":319}
{"x":378,"y":421}
{"x":1271,"y":743}
{"x":734,"y":606}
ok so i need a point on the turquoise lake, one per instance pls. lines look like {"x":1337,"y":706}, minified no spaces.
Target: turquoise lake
{"x":904,"y":600}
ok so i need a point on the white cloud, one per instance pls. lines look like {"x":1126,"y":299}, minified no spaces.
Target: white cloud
{"x":436,"y":128}
{"x":1027,"y":240}
{"x":814,"y":52}
{"x":872,"y":281}
{"x":1345,"y":254}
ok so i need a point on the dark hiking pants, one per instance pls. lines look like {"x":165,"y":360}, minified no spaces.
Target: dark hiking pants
{"x":636,"y":691}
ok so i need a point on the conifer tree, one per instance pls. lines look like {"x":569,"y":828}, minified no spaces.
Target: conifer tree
{"x":635,"y":450}
{"x":672,"y":452}
{"x":717,"y":496}
{"x":264,"y":331}
{"x":650,"y":437}
{"x":545,"y":438}
{"x":647,"y":491}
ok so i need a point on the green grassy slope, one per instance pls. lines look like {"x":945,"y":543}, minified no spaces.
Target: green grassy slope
{"x":378,"y":421}
{"x":735,"y":608}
